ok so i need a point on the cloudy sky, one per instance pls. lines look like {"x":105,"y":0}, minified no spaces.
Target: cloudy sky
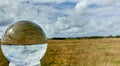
{"x":64,"y":18}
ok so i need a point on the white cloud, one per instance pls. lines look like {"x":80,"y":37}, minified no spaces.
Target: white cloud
{"x":55,"y":1}
{"x":81,"y":18}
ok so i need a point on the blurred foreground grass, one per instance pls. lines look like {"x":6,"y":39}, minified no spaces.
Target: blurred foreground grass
{"x":83,"y":52}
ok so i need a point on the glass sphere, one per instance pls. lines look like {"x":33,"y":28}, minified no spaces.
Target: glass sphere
{"x":24,"y":43}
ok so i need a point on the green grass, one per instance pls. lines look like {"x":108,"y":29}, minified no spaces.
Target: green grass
{"x":84,"y":52}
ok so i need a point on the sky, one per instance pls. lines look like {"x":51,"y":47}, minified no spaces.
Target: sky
{"x":64,"y":18}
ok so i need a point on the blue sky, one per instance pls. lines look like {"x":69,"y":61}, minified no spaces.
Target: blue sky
{"x":64,"y":18}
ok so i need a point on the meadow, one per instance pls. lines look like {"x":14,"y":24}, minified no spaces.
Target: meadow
{"x":80,"y":52}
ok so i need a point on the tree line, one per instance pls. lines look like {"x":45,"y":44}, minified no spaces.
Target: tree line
{"x":88,"y":37}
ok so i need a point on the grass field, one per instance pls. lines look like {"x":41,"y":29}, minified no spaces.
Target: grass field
{"x":80,"y":52}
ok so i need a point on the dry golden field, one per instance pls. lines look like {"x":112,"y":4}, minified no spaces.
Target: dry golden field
{"x":80,"y":52}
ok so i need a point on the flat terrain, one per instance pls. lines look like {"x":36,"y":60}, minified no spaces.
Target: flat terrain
{"x":80,"y":52}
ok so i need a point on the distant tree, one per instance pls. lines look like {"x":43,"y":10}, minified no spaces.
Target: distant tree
{"x":58,"y":38}
{"x":118,"y":36}
{"x":110,"y":36}
{"x":95,"y":37}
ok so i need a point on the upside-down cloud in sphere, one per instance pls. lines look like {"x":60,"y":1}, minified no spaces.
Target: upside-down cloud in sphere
{"x":64,"y":18}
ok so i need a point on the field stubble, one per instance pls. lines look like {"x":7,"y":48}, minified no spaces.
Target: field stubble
{"x":80,"y":52}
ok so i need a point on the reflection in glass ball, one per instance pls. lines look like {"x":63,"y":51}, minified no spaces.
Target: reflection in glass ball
{"x":24,"y":55}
